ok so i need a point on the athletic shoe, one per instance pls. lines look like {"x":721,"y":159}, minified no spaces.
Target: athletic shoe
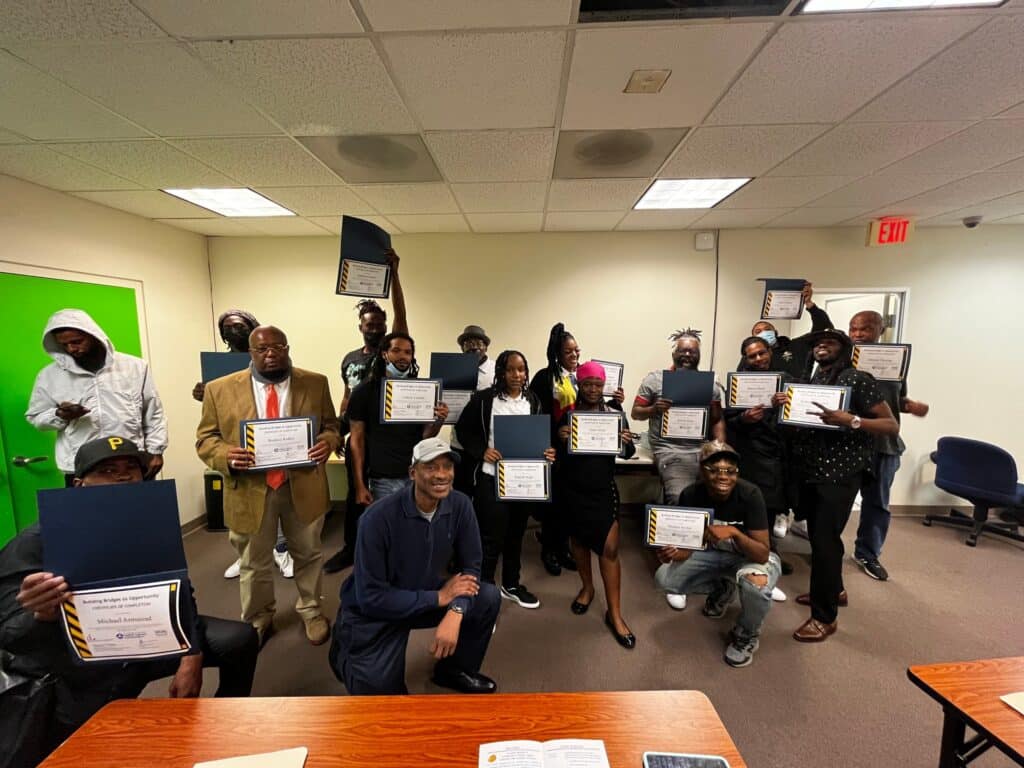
{"x":284,"y":564}
{"x":233,"y":570}
{"x":799,"y":527}
{"x":521,"y":595}
{"x":677,"y":602}
{"x":873,"y":568}
{"x":781,"y":527}
{"x":778,"y":595}
{"x":740,"y":653}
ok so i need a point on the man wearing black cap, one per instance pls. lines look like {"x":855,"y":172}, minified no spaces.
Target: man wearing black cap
{"x":827,"y":466}
{"x":737,"y":554}
{"x":405,"y":543}
{"x":792,"y":356}
{"x":473,"y":339}
{"x":33,"y":646}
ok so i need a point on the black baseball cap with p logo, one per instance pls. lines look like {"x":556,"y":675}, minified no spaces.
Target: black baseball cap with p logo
{"x":102,"y":448}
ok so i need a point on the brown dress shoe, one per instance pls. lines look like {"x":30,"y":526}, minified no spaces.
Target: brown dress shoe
{"x":814,"y":631}
{"x":317,"y":630}
{"x":805,"y":599}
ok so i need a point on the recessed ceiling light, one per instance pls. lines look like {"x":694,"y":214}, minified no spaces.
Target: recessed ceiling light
{"x":838,"y":6}
{"x":687,"y":193}
{"x":231,"y":202}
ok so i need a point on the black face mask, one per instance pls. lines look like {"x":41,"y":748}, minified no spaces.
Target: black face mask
{"x":236,"y":338}
{"x":372,"y":339}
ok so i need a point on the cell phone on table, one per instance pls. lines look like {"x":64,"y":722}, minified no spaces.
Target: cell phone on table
{"x":680,"y":760}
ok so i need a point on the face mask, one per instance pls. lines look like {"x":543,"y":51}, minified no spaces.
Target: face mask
{"x":394,"y":373}
{"x":768,"y":336}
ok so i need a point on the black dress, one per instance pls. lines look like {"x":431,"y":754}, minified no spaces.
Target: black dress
{"x":588,"y":496}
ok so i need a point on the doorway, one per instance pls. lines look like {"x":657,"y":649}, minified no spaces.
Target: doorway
{"x":841,"y":305}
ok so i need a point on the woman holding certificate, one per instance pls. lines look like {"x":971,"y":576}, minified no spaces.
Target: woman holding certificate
{"x":589,"y":439}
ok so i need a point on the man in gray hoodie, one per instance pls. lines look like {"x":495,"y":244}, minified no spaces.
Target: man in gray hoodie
{"x":89,"y":390}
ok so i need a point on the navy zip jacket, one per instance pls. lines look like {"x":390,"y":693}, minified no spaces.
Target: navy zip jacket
{"x":402,"y":559}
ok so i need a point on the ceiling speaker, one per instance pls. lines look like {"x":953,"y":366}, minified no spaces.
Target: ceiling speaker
{"x":614,"y":153}
{"x":373,"y":158}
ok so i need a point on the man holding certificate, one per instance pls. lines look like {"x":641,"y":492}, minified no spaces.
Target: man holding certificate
{"x":736,"y":556}
{"x":269,"y":430}
{"x":792,"y":356}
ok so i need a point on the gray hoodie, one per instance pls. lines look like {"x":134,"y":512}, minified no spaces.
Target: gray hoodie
{"x":121,"y":396}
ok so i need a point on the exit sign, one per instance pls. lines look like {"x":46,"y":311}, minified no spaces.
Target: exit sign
{"x":890,"y":230}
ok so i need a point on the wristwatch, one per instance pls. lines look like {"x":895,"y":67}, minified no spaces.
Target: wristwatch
{"x":457,"y":608}
{"x":855,"y":422}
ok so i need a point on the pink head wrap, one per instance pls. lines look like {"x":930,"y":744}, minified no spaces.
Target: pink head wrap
{"x":590,"y":370}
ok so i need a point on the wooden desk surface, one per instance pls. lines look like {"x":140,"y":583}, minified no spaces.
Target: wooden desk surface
{"x":974,"y":688}
{"x":392,"y":731}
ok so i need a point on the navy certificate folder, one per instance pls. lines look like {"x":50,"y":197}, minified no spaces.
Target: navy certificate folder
{"x":217,"y":364}
{"x":522,"y":437}
{"x":456,"y":370}
{"x":363,"y":241}
{"x":693,"y":388}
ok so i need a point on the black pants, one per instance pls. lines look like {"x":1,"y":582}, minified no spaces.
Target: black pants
{"x":368,"y":655}
{"x":502,"y":526}
{"x":352,"y":510}
{"x":826,"y":506}
{"x":554,"y":536}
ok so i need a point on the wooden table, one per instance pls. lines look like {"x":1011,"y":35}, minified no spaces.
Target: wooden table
{"x":392,"y":731}
{"x":969,"y":693}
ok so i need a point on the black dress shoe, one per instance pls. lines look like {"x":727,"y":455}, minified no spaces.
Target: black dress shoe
{"x":551,"y":564}
{"x":339,"y":561}
{"x":787,"y":567}
{"x":567,"y":561}
{"x":464,"y":682}
{"x":580,"y":608}
{"x":626,"y":641}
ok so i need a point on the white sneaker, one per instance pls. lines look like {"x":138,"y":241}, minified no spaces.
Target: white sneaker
{"x":678,"y":602}
{"x":781,"y":527}
{"x":233,"y":570}
{"x":778,"y":595}
{"x":284,"y":564}
{"x":799,"y":527}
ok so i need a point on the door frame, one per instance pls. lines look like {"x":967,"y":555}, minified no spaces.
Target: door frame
{"x":903,"y":291}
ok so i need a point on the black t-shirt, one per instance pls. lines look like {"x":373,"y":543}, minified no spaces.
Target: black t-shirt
{"x":355,"y":368}
{"x":744,"y":508}
{"x":893,"y":392}
{"x":388,"y":446}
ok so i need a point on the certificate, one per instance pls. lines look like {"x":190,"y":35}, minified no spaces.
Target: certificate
{"x":363,"y":278}
{"x":783,"y":298}
{"x":800,"y":407}
{"x":746,"y":390}
{"x":595,"y":433}
{"x":681,"y":527}
{"x":523,"y":480}
{"x":456,"y":400}
{"x":886,"y":362}
{"x":409,"y":401}
{"x":684,"y":423}
{"x":278,"y":443}
{"x":612,"y":376}
{"x":141,"y":621}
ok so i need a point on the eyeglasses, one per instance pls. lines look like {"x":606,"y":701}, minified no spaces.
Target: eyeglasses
{"x":722,"y":471}
{"x":267,"y":349}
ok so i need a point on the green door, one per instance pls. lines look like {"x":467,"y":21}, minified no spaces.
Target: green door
{"x":26,"y":453}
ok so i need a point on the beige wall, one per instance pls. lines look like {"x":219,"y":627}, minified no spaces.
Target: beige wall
{"x":43,"y":228}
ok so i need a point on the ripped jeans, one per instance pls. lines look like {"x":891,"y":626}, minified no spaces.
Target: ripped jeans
{"x":720,"y":573}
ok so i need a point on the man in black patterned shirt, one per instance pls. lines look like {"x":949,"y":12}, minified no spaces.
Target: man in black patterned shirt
{"x":828,"y":465}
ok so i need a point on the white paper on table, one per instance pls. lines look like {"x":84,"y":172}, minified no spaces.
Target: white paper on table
{"x":1015,"y":700}
{"x":559,"y":753}
{"x":285,"y":758}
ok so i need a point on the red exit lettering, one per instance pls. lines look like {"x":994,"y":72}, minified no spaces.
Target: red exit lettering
{"x":889,"y":231}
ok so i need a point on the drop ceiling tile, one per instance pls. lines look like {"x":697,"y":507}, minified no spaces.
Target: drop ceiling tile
{"x":284,"y":226}
{"x":152,"y":205}
{"x":979,"y":148}
{"x":1011,"y":167}
{"x":803,"y":74}
{"x":445,"y":222}
{"x":499,"y":197}
{"x":333,"y":223}
{"x":978,"y":188}
{"x":246,"y":18}
{"x":679,"y":219}
{"x":408,"y":198}
{"x":74,"y":20}
{"x":465,"y":81}
{"x":881,"y":189}
{"x":314,"y":87}
{"x":318,"y":201}
{"x":778,"y":191}
{"x":916,"y":212}
{"x":861,"y":148}
{"x":582,"y":222}
{"x":992,"y":211}
{"x":595,"y":194}
{"x":410,"y":15}
{"x":1015,"y":220}
{"x":703,"y":59}
{"x":737,"y":151}
{"x":506,"y":222}
{"x":815,"y":217}
{"x":41,"y":165}
{"x":375,"y":158}
{"x":271,"y":162}
{"x":979,"y":76}
{"x":153,"y":164}
{"x":493,"y":155}
{"x":738,"y":218}
{"x":7,"y":137}
{"x":1017,"y":111}
{"x":160,"y":86}
{"x":614,"y":153}
{"x":34,"y":104}
{"x":218,"y":227}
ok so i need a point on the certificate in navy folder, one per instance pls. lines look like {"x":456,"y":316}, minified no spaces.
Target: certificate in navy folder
{"x":522,"y":437}
{"x":456,"y":370}
{"x":688,"y":387}
{"x":362,"y":268}
{"x":217,"y":364}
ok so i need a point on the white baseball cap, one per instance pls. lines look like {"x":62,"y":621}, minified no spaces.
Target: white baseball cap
{"x":431,"y":448}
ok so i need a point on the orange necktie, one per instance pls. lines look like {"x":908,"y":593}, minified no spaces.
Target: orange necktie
{"x":275,"y":477}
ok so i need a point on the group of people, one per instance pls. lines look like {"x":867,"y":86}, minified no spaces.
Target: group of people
{"x":424,"y":529}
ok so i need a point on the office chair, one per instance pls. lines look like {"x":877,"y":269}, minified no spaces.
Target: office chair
{"x":986,"y":476}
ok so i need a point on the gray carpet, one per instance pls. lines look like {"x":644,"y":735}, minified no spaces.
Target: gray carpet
{"x":846,"y":702}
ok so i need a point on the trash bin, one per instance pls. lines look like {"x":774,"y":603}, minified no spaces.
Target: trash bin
{"x":213,"y":489}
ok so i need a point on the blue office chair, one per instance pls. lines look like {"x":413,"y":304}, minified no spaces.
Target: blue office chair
{"x":986,"y":476}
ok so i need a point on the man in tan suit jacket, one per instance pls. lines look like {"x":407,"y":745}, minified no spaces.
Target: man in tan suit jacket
{"x":255,"y":501}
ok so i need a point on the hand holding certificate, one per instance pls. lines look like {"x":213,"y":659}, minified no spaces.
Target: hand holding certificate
{"x":409,"y":401}
{"x":364,"y":269}
{"x":612,"y":376}
{"x":684,"y":423}
{"x":886,"y":362}
{"x":277,"y":443}
{"x":523,"y":480}
{"x":806,"y":403}
{"x":595,"y":433}
{"x":748,"y":390}
{"x":783,"y":299}
{"x":680,"y":527}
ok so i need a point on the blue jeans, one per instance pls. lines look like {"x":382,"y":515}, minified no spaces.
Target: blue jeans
{"x":717,"y":572}
{"x":385,"y":486}
{"x":874,"y":507}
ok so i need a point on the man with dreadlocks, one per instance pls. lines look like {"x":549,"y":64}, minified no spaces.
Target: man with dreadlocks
{"x":828,"y":465}
{"x":676,"y":458}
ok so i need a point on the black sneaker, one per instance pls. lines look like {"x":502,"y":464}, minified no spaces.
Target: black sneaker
{"x":873,"y":568}
{"x":339,"y":561}
{"x":521,"y":595}
{"x":551,"y":564}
